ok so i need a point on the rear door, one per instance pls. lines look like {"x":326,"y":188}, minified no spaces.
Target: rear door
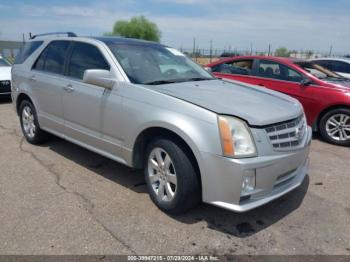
{"x":47,"y":83}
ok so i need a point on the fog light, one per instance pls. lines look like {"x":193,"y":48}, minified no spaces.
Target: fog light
{"x":248,"y":182}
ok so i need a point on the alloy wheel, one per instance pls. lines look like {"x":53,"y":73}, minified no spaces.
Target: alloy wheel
{"x":338,"y":127}
{"x":28,"y":122}
{"x":162,"y":174}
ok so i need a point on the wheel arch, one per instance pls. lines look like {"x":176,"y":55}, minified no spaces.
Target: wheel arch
{"x":150,"y":133}
{"x":20,"y":98}
{"x":316,"y":124}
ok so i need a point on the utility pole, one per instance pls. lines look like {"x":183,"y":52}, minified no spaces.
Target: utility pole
{"x":330,"y":50}
{"x":23,"y":38}
{"x":268,"y":54}
{"x":194,"y":48}
{"x":251,"y":48}
{"x":211,"y":51}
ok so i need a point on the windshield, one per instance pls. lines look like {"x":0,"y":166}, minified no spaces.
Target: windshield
{"x":317,"y":70}
{"x":3,"y":62}
{"x":155,"y":64}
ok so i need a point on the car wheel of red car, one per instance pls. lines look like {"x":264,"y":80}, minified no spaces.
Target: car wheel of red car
{"x":335,"y":127}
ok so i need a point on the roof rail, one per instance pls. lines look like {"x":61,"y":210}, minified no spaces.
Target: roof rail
{"x":69,"y":34}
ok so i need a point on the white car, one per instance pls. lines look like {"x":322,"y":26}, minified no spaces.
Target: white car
{"x":339,"y":65}
{"x":5,"y":77}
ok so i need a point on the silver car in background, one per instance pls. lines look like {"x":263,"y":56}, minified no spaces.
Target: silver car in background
{"x":341,"y":66}
{"x":149,"y":106}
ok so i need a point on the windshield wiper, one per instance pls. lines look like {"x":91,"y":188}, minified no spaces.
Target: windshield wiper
{"x":340,"y":78}
{"x":160,"y":82}
{"x":198,"y":79}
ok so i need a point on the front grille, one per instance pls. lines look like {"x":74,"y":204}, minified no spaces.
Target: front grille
{"x":287,"y":135}
{"x":5,"y":86}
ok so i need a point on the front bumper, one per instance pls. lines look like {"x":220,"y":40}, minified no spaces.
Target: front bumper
{"x":276,"y":175}
{"x":5,"y":87}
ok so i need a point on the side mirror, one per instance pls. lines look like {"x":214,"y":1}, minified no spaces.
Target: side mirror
{"x":98,"y":77}
{"x":305,"y":82}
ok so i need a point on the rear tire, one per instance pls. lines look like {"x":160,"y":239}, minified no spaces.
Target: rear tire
{"x":171,"y":177}
{"x":335,"y":127}
{"x":30,"y":125}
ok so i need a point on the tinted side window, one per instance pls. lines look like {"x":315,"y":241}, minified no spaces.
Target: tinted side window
{"x":240,"y":67}
{"x":4,"y":62}
{"x":341,"y":67}
{"x":324,"y":63}
{"x":85,"y":56}
{"x":53,"y":57}
{"x":274,"y":70}
{"x":56,"y":54}
{"x":40,"y":62}
{"x":26,"y":51}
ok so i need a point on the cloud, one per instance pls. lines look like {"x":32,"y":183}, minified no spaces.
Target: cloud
{"x":185,"y":2}
{"x":30,"y":10}
{"x":261,"y":29}
{"x":227,"y":23}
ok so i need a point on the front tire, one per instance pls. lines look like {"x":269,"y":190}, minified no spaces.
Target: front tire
{"x":30,"y":125}
{"x":335,"y":127}
{"x":171,"y":177}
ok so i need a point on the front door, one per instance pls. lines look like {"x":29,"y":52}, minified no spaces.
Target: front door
{"x":83,"y":103}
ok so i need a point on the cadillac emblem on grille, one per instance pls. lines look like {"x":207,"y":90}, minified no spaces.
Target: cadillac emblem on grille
{"x":287,"y":135}
{"x":298,"y":133}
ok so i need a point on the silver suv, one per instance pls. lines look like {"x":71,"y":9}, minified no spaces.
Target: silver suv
{"x":149,"y":106}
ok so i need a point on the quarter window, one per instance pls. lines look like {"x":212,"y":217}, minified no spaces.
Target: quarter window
{"x":274,"y":70}
{"x":85,"y":56}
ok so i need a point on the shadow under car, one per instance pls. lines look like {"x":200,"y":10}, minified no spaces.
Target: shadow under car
{"x":228,"y":222}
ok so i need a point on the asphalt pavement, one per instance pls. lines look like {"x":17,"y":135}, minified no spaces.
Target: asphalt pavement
{"x":59,"y":198}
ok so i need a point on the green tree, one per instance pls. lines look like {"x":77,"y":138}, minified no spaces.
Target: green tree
{"x":138,"y":27}
{"x":309,"y":54}
{"x":282,"y":52}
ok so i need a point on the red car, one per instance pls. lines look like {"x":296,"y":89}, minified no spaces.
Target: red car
{"x":324,"y":94}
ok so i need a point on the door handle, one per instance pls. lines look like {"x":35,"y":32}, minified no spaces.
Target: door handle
{"x":261,"y":85}
{"x":69,"y":88}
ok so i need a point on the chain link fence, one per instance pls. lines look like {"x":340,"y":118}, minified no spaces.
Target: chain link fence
{"x":205,"y":56}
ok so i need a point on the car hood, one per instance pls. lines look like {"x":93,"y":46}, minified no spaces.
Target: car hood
{"x":258,"y":106}
{"x":5,"y":73}
{"x":345,"y":83}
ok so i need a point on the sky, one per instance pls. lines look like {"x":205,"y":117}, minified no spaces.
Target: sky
{"x":235,"y":24}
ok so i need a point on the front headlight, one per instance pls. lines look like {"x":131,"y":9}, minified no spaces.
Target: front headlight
{"x":236,"y":139}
